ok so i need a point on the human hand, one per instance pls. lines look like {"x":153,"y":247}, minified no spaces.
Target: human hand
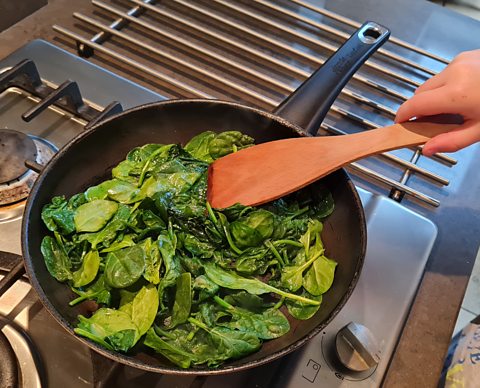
{"x":455,"y":90}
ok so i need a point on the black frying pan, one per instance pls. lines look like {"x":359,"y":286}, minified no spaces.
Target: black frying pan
{"x":89,"y":158}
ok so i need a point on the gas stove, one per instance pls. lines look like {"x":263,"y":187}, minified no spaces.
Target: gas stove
{"x":353,"y":350}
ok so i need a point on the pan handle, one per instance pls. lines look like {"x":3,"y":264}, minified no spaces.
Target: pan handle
{"x":309,"y":104}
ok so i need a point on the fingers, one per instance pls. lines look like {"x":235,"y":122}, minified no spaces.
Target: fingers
{"x":435,"y":82}
{"x":430,"y":102}
{"x":462,"y":137}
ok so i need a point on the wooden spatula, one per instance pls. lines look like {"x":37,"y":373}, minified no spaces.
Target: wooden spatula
{"x":268,"y":171}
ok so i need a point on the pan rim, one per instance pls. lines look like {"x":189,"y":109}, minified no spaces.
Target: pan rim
{"x":173,"y":370}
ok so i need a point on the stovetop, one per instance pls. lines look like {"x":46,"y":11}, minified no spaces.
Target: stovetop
{"x":395,"y":261}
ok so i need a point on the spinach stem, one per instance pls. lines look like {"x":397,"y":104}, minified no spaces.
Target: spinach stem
{"x":230,"y":241}
{"x":307,"y":244}
{"x":223,"y":303}
{"x":79,"y":299}
{"x":199,"y":324}
{"x":147,"y":164}
{"x":292,"y":296}
{"x":279,"y":303}
{"x":289,"y":242}
{"x":275,"y":252}
{"x":229,"y":238}
{"x":135,"y":207}
{"x":211,"y":213}
{"x":164,"y":333}
{"x":299,"y":212}
{"x":285,"y":257}
{"x":191,"y":335}
{"x":308,"y":262}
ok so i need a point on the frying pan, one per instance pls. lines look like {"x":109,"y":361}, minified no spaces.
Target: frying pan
{"x":89,"y":159}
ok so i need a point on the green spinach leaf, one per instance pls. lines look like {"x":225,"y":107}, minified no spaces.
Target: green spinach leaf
{"x":169,"y":350}
{"x":98,"y":291}
{"x":111,"y":326}
{"x":292,"y":276}
{"x":167,"y":243}
{"x":199,"y":146}
{"x":232,"y":343}
{"x":93,"y":216}
{"x":124,"y":241}
{"x":205,"y":287}
{"x":227,"y":142}
{"x":252,"y":285}
{"x":108,"y":234}
{"x":88,"y":271}
{"x":319,"y":277}
{"x":198,"y":248}
{"x":57,"y":215}
{"x":303,"y":311}
{"x":124,"y":267}
{"x":252,"y":230}
{"x":144,"y":308}
{"x":183,"y":299}
{"x":248,"y":301}
{"x":153,"y":261}
{"x":269,"y":324}
{"x":56,"y":260}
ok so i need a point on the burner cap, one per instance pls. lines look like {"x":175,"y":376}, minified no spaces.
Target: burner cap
{"x":15,"y":148}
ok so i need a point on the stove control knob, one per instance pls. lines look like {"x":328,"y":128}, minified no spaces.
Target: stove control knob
{"x":357,"y":348}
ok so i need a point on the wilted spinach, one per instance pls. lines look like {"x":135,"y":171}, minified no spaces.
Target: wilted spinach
{"x":196,"y":285}
{"x":98,"y":291}
{"x":56,"y":259}
{"x":169,"y":350}
{"x":144,"y":308}
{"x":109,"y":326}
{"x":92,"y":216}
{"x":88,"y":271}
{"x":301,"y":310}
{"x":183,"y":299}
{"x":231,"y":343}
{"x":125,"y":266}
{"x":269,"y":324}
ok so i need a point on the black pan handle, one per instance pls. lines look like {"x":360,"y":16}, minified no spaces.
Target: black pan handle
{"x":309,"y":104}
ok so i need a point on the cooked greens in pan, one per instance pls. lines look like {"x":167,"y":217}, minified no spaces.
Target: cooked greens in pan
{"x":197,"y":285}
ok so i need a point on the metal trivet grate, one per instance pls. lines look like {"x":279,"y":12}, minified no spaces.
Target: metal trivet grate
{"x":258,"y":52}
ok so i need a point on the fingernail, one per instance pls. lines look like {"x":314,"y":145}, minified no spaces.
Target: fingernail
{"x":428,"y":151}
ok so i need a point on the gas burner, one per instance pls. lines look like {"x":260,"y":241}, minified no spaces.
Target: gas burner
{"x":15,"y":148}
{"x":16,"y":180}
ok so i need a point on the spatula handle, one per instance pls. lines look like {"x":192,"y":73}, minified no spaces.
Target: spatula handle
{"x":402,"y":135}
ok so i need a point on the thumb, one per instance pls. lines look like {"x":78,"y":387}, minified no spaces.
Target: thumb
{"x":465,"y":135}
